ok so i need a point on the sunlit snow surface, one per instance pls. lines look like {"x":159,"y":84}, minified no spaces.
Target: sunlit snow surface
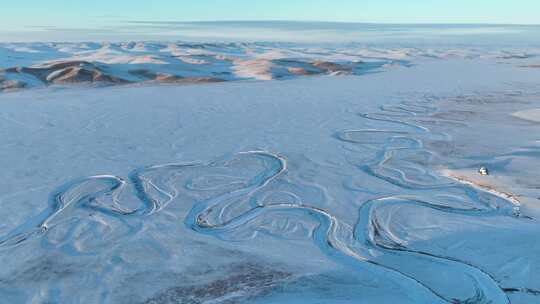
{"x":30,"y":65}
{"x":360,"y":188}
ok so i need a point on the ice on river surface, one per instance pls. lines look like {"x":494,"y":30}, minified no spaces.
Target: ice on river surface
{"x":361,"y":188}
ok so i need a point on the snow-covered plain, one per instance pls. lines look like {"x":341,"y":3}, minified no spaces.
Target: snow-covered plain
{"x":357,"y":186}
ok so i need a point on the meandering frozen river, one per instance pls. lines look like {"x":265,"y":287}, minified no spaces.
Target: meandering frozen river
{"x":351,"y":189}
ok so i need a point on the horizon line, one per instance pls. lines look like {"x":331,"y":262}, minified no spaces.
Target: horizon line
{"x":322,"y":21}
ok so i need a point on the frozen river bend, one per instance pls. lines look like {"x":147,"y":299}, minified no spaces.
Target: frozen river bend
{"x":350,"y":189}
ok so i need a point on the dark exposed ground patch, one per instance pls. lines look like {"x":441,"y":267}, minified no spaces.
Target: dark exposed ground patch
{"x":247,"y":281}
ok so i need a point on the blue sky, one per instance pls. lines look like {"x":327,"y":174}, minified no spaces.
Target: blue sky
{"x":86,"y":13}
{"x":120,"y":20}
